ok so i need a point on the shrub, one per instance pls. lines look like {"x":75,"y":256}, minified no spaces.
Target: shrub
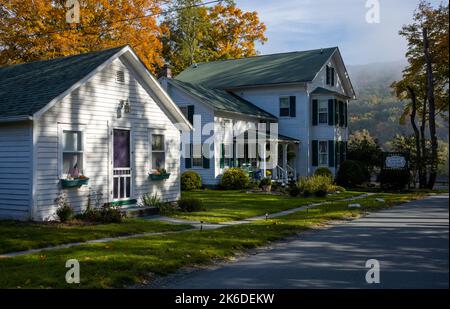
{"x":104,"y":214}
{"x":64,"y":211}
{"x":352,"y":173}
{"x":148,"y":200}
{"x":317,"y":185}
{"x":190,"y":204}
{"x":293,"y":189}
{"x":234,"y":178}
{"x":394,"y":179}
{"x":335,"y":189}
{"x":190,"y":181}
{"x":323,"y":171}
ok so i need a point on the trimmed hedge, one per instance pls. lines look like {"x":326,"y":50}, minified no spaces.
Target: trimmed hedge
{"x":190,"y":204}
{"x":190,"y":181}
{"x":323,"y":171}
{"x":394,"y":179}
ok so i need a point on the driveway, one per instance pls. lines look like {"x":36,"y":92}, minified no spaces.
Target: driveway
{"x":410,"y":241}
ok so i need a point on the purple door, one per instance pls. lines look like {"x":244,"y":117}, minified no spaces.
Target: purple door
{"x":121,"y":164}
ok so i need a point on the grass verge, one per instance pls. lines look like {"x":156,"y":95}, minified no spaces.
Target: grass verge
{"x":19,"y":236}
{"x":223,"y":206}
{"x":124,"y":262}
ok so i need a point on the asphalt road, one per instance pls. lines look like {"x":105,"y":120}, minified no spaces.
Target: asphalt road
{"x":410,"y":241}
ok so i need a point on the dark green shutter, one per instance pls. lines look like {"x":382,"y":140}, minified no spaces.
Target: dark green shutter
{"x":332,"y":76}
{"x":331,"y":112}
{"x":188,"y":159}
{"x":337,"y":154}
{"x":331,"y":153}
{"x":191,"y":114}
{"x":336,"y":112}
{"x":315,"y":112}
{"x":346,"y":114}
{"x":292,"y":106}
{"x":222,"y":155}
{"x":342,"y":152}
{"x":315,"y":152}
{"x":328,"y":75}
{"x":341,"y":113}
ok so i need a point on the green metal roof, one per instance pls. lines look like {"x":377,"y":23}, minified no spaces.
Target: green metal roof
{"x":321,"y":90}
{"x":221,"y":100}
{"x":27,"y":88}
{"x":282,"y":68}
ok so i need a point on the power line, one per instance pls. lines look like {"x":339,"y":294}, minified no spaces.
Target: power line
{"x":119,"y":21}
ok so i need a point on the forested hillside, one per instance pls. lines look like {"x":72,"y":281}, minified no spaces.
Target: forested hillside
{"x":376,"y":108}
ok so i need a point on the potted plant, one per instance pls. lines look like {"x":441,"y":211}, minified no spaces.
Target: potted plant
{"x":266,"y":184}
{"x":159,"y":174}
{"x":74,"y":178}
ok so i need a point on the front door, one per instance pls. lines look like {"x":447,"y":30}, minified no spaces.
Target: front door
{"x":121,"y":165}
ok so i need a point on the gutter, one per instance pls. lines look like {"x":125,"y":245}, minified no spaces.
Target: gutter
{"x":7,"y":119}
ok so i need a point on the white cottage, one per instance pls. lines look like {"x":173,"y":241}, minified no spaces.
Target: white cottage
{"x":92,"y":123}
{"x":306,"y":93}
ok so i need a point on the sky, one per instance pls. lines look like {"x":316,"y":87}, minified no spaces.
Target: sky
{"x":294,"y":25}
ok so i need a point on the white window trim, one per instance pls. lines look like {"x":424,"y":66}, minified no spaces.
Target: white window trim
{"x":151,"y":132}
{"x":318,"y":153}
{"x":70,"y":127}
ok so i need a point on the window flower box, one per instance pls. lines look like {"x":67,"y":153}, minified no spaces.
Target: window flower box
{"x":160,"y":176}
{"x":74,"y":183}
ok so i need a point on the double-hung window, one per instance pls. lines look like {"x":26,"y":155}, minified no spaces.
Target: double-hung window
{"x":284,"y":107}
{"x":323,"y":153}
{"x":157,"y":151}
{"x":323,"y":112}
{"x":197,"y":158}
{"x":72,"y":152}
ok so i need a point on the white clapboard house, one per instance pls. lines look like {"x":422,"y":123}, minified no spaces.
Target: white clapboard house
{"x":96,"y":123}
{"x":306,"y":93}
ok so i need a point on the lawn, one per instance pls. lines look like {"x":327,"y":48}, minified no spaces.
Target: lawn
{"x":18,"y":236}
{"x":223,"y":206}
{"x":132,"y":261}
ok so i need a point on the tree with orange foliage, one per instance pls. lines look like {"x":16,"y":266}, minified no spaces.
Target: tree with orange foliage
{"x":38,"y":29}
{"x":196,"y":33}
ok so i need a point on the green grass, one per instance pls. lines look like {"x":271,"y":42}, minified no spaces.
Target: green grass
{"x":18,"y":236}
{"x":223,"y":206}
{"x":124,"y":262}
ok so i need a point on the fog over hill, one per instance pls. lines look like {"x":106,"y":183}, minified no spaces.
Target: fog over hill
{"x":376,"y":107}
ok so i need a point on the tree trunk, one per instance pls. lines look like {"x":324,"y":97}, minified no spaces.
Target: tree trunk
{"x":431,"y":111}
{"x":423,"y":177}
{"x":416,"y":135}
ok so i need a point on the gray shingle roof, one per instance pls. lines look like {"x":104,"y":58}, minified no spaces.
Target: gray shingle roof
{"x":27,"y":88}
{"x":291,"y":67}
{"x":222,"y":100}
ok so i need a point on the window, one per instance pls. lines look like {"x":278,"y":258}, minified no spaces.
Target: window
{"x":72,"y":153}
{"x":323,"y":112}
{"x":330,"y":75}
{"x":284,"y":107}
{"x":120,"y":77}
{"x":184,"y":110}
{"x":197,"y":159}
{"x":158,"y":152}
{"x":323,"y":153}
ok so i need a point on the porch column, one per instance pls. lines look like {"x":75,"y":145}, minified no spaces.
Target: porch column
{"x":264,"y":163}
{"x":285,"y":150}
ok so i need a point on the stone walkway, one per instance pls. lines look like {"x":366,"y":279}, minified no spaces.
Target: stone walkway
{"x":197,"y":225}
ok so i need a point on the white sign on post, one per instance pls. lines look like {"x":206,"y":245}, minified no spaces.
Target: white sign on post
{"x":396,"y":162}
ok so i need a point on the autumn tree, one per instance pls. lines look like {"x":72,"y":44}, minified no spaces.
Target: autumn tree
{"x":364,"y":148}
{"x":207,"y":33}
{"x":38,"y":29}
{"x":425,"y":82}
